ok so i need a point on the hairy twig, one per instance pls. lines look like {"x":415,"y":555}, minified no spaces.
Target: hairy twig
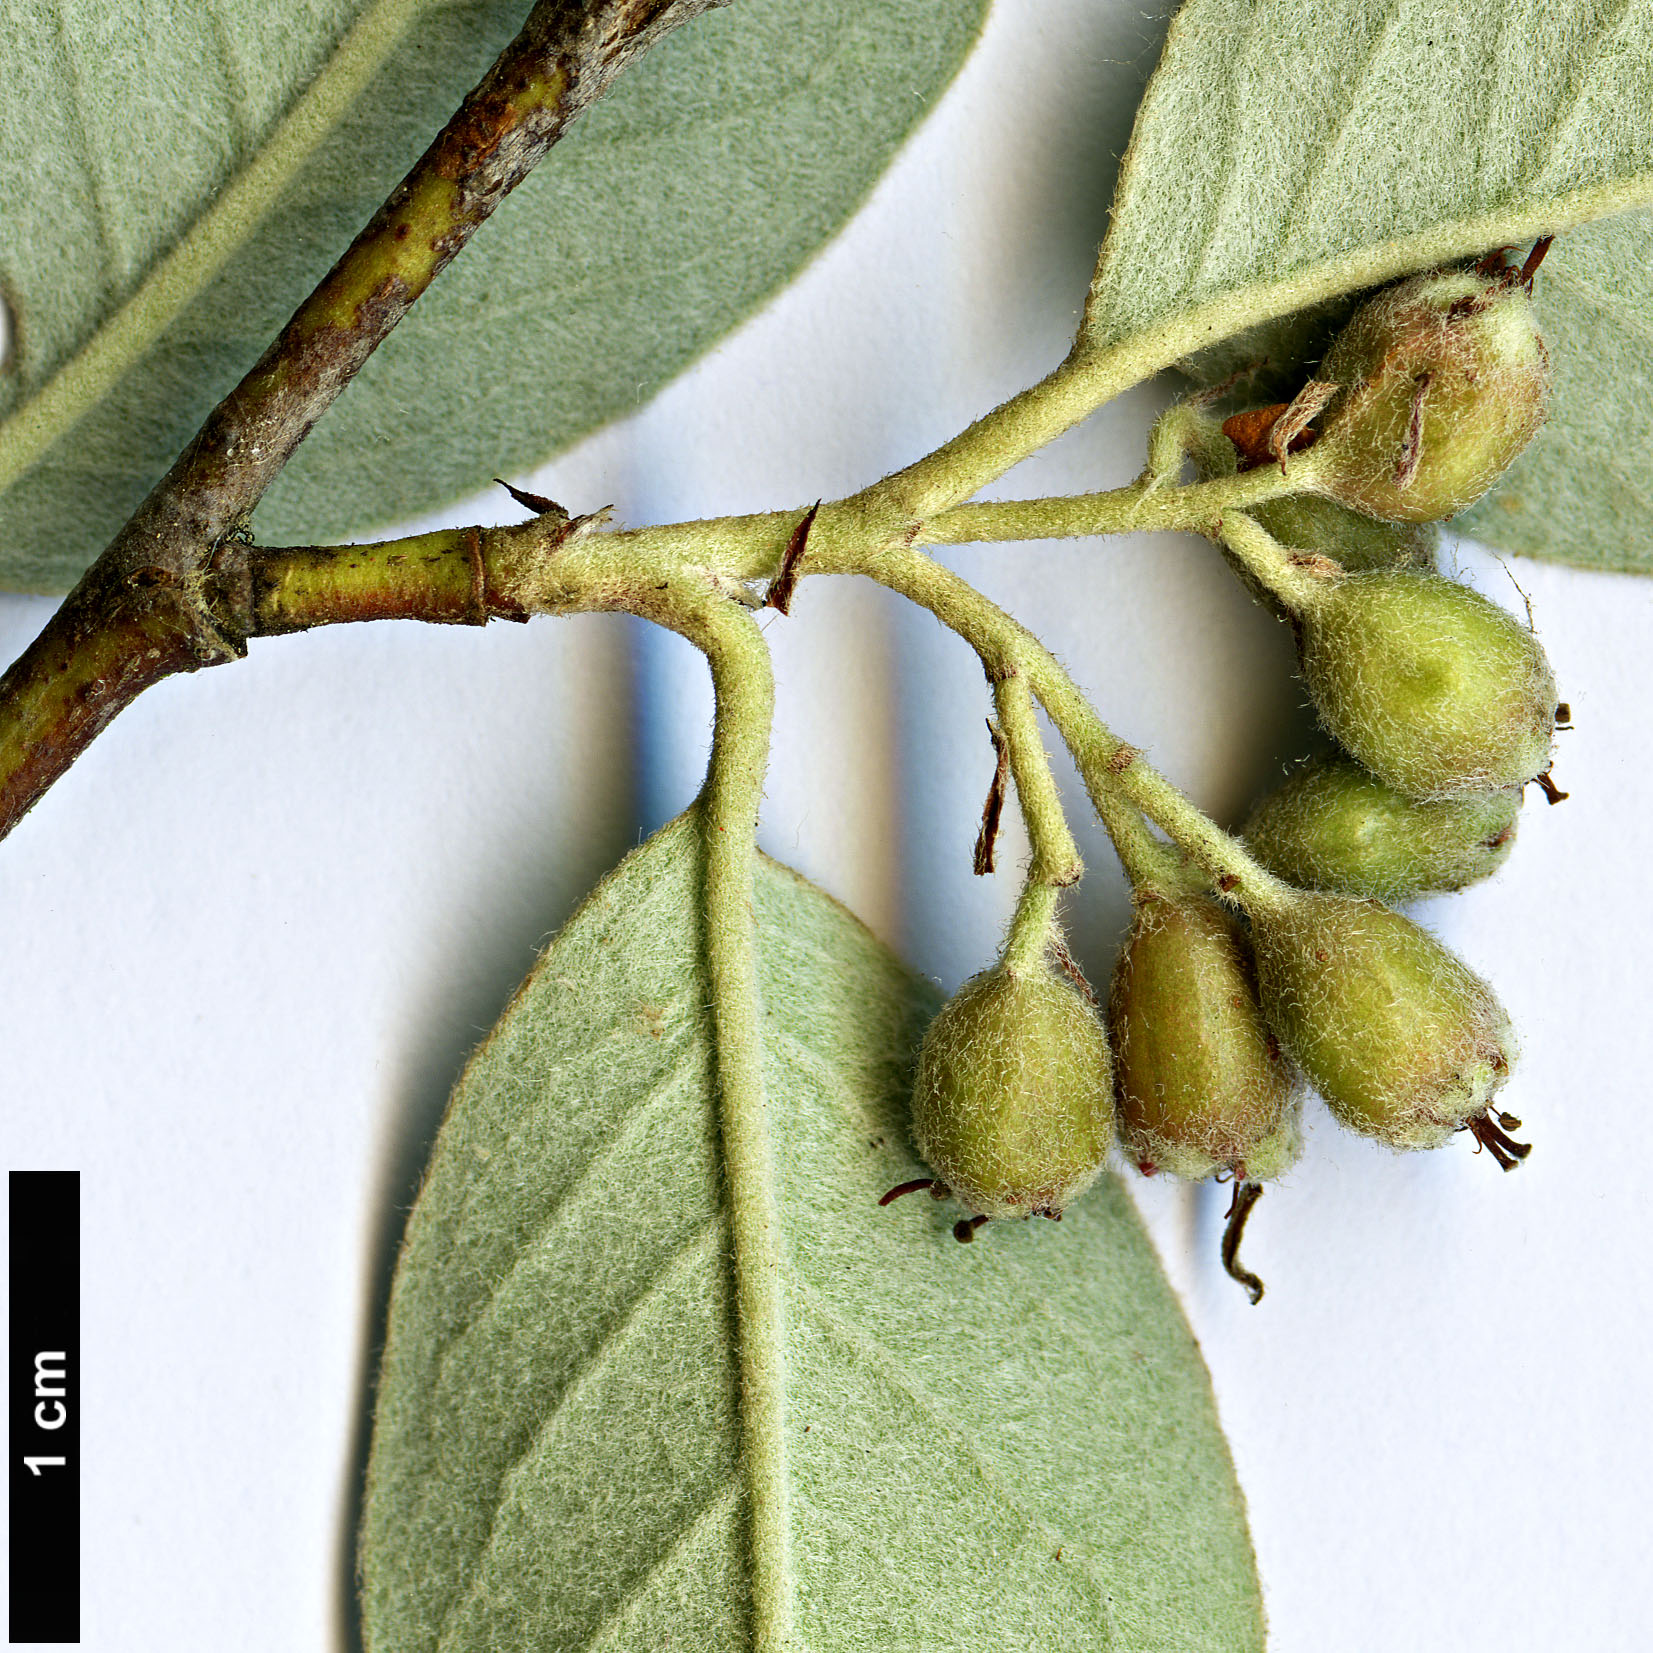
{"x":552,"y":565}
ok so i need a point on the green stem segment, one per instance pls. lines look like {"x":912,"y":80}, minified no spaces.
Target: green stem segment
{"x":749,"y":547}
{"x":1032,"y":928}
{"x":1297,"y":578}
{"x":1185,"y":431}
{"x":1055,"y":855}
{"x":1055,"y":862}
{"x":1106,"y":763}
{"x":1138,"y":508}
{"x":1152,"y":867}
{"x":550,"y":566}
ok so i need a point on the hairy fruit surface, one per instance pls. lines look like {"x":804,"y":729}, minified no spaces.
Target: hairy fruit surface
{"x":1013,"y":1101}
{"x":1442,"y":380}
{"x":1200,"y":1083}
{"x":1336,"y":826}
{"x":1403,"y":1040}
{"x":1432,"y":687}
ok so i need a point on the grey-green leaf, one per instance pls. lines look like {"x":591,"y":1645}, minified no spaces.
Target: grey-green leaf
{"x":1009,"y":1444}
{"x":1287,"y":154}
{"x":1583,"y":492}
{"x":254,"y":139}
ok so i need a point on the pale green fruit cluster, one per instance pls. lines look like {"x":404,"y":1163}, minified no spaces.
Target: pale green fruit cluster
{"x":1335,"y":826}
{"x":1449,"y":706}
{"x":1013,"y":1100}
{"x":1402,"y":1039}
{"x":1441,"y":382}
{"x":1200,"y":1082}
{"x":1444,"y":702}
{"x":1443,"y":379}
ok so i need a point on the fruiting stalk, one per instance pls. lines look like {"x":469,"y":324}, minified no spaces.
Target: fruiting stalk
{"x":1055,"y":863}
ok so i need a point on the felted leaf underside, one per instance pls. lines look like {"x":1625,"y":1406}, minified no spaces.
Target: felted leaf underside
{"x":1003,"y":1444}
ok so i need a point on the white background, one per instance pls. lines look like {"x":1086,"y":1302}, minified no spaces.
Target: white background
{"x":251,"y":938}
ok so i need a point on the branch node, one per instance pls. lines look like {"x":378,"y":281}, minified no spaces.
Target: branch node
{"x":987,"y":838}
{"x":779,"y":595}
{"x":539,"y":504}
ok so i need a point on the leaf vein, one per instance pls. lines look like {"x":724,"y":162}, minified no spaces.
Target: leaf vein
{"x":880,"y":1356}
{"x":1224,"y":191}
{"x":1561,"y":123}
{"x":590,"y":1368}
{"x":825,"y":1074}
{"x":717,"y":1504}
{"x":600,"y":1155}
{"x":81,"y":146}
{"x":1352,"y":101}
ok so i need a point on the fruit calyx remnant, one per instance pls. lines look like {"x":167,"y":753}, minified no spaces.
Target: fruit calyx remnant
{"x":1246,"y":1196}
{"x":1490,"y":1130}
{"x":938,"y":1190}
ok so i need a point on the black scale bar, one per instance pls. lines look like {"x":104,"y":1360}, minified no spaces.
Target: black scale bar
{"x":43,"y":1386}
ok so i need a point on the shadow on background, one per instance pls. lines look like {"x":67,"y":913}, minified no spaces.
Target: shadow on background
{"x":508,"y":924}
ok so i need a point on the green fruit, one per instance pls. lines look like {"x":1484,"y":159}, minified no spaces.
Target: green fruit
{"x":1436,"y":690}
{"x":1308,"y":522}
{"x":1336,"y":826}
{"x":1199,"y":1081}
{"x":1443,"y":380}
{"x":1013,"y":1102}
{"x":1403,"y":1040}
